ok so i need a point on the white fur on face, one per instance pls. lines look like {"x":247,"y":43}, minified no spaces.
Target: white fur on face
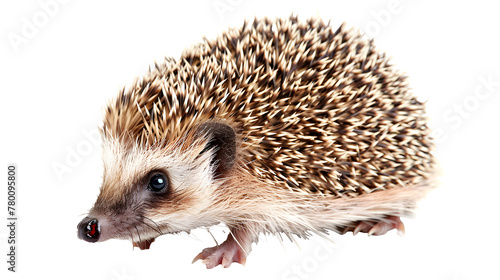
{"x":190,"y":193}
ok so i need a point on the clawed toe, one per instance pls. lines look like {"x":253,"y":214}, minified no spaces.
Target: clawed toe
{"x":221,"y":255}
{"x":225,"y":254}
{"x":362,"y":227}
{"x":379,"y":227}
{"x":383,"y":227}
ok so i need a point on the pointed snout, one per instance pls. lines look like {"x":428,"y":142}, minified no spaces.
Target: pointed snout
{"x":89,"y":230}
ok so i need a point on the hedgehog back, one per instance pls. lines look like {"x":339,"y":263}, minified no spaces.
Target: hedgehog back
{"x":318,"y":110}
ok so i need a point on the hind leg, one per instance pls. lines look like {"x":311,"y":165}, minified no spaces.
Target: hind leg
{"x":378,"y":227}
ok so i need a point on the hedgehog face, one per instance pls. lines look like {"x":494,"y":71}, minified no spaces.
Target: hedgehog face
{"x":159,"y":189}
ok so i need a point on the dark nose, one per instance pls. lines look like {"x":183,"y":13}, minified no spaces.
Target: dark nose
{"x":88,"y":230}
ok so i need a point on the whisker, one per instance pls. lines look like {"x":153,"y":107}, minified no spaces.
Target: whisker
{"x":159,"y":229}
{"x":183,"y":181}
{"x":138,"y":234}
{"x":137,"y":206}
{"x":151,"y":227}
{"x":131,"y":235}
{"x":84,"y":214}
{"x":213,"y":237}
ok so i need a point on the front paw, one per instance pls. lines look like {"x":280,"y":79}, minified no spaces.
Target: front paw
{"x":143,"y":244}
{"x":224,"y":254}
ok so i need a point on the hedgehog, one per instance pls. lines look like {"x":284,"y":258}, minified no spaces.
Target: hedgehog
{"x":282,"y":127}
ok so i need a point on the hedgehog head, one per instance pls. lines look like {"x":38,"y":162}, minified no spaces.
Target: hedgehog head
{"x":155,"y":181}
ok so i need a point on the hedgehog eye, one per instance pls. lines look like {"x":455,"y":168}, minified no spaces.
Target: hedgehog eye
{"x":157,"y":183}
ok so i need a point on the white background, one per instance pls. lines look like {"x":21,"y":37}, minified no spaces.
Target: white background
{"x":57,"y":77}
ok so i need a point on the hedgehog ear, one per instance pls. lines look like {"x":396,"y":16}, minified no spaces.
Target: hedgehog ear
{"x":223,"y":139}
